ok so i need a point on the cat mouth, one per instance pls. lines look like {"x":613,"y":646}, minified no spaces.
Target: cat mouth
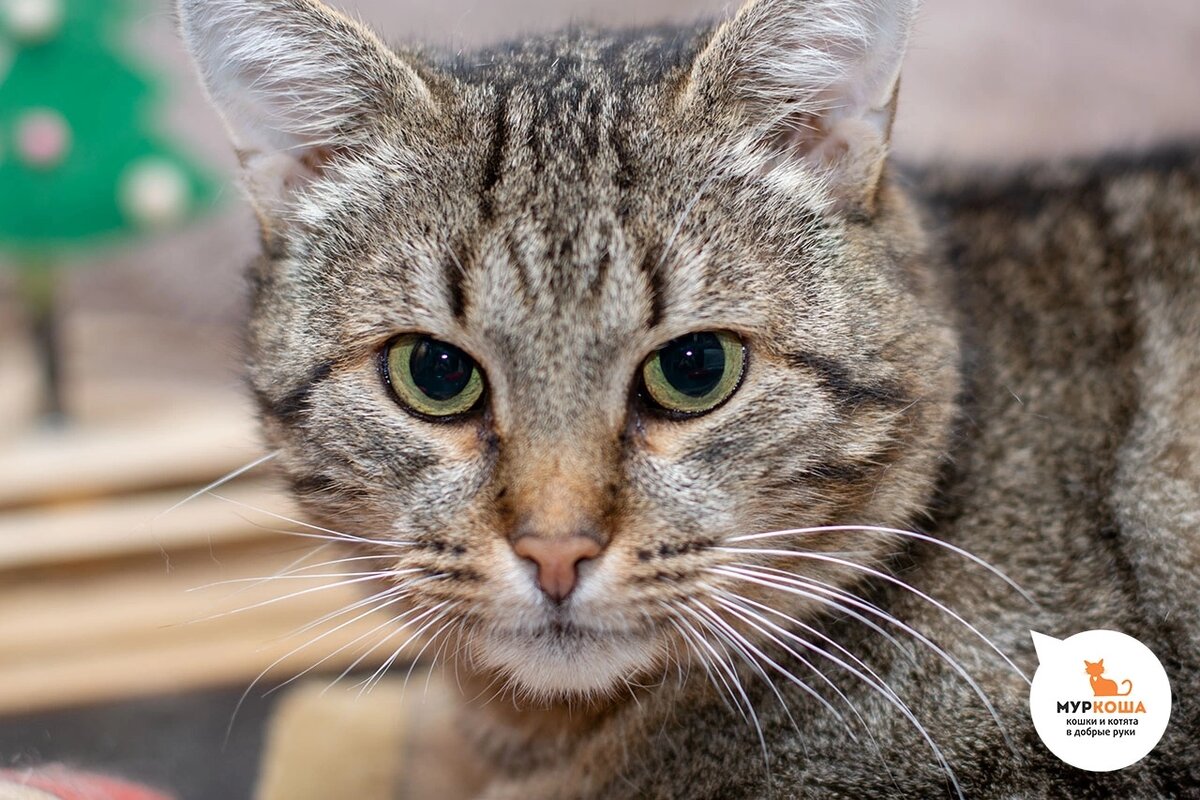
{"x":562,"y":658}
{"x":566,"y":630}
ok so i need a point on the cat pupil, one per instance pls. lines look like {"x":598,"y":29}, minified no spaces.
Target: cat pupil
{"x":694,"y":364}
{"x":440,"y":370}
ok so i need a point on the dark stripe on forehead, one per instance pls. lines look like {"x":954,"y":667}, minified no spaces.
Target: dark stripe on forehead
{"x":623,"y":170}
{"x":519,"y":267}
{"x":837,"y":379}
{"x":454,"y":274}
{"x":494,"y":165}
{"x":652,"y":268}
{"x":295,"y":403}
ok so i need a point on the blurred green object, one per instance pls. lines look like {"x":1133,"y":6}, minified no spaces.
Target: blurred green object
{"x":81,"y":164}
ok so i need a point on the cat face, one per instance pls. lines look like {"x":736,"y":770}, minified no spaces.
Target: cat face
{"x":1096,"y":669}
{"x":546,"y":328}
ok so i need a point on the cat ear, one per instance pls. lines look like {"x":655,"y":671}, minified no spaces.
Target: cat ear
{"x":296,"y":82}
{"x":812,"y":82}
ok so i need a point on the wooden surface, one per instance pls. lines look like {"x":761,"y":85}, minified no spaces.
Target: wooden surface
{"x":402,"y":741}
{"x":105,"y":596}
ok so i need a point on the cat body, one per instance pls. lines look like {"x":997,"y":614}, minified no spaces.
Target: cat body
{"x":637,"y":367}
{"x":1074,"y":468}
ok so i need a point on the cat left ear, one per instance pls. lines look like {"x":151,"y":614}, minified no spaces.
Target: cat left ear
{"x":813,"y":82}
{"x":297,"y":83}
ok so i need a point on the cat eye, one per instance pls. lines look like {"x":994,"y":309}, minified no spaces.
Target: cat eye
{"x":695,"y":373}
{"x":431,"y":377}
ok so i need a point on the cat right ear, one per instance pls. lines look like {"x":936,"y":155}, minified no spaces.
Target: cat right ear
{"x":809,"y":84}
{"x":297,"y":83}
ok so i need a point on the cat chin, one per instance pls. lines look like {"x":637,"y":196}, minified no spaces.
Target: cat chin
{"x":550,"y":666}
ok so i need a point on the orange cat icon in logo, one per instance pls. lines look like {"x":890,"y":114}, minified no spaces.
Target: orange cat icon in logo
{"x":1101,"y":686}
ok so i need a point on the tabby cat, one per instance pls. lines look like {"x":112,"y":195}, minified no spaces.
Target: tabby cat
{"x":634,"y":367}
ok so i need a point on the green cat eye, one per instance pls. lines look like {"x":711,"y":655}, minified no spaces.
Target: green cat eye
{"x":431,"y":377}
{"x":695,"y":373}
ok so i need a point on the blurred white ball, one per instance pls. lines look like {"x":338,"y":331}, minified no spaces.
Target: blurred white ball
{"x":153,"y":193}
{"x":32,"y":21}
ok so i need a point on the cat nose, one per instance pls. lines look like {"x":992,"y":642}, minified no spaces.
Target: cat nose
{"x":557,"y":561}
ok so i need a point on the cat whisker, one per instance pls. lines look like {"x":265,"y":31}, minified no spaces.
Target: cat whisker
{"x":915,"y":535}
{"x":291,"y":595}
{"x":835,"y":591}
{"x":737,"y":683}
{"x":699,"y":657}
{"x":329,"y":534}
{"x":747,"y":605}
{"x":242,"y":699}
{"x":259,"y":580}
{"x":292,"y":569}
{"x":433,"y":637}
{"x":438,"y":612}
{"x":711,"y":662}
{"x":282,"y":571}
{"x":406,"y":586}
{"x":373,"y":610}
{"x":813,"y":590}
{"x":219,"y":482}
{"x":747,"y":647}
{"x":733,"y":602}
{"x":889,"y":579}
{"x":841,"y":601}
{"x":785,"y":673}
{"x":400,"y":627}
{"x":683,"y":218}
{"x":752,"y":655}
{"x":437,"y":654}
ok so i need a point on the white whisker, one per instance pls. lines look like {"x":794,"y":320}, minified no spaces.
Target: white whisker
{"x":802,"y":588}
{"x":323,"y":587}
{"x":367,"y":653}
{"x":406,"y":587}
{"x":791,"y":677}
{"x":735,"y":602}
{"x":336,"y":535}
{"x":922,"y":537}
{"x":259,"y":580}
{"x":242,"y":470}
{"x":889,"y":579}
{"x":762,"y":739}
{"x":373,"y":610}
{"x":375,"y":677}
{"x":723,"y":669}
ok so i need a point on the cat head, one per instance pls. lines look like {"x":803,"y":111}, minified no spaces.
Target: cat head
{"x":1096,"y":669}
{"x":547,"y":327}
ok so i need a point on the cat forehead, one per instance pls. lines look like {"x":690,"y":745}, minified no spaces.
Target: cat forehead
{"x":549,"y":221}
{"x":564,"y":65}
{"x":551,"y":181}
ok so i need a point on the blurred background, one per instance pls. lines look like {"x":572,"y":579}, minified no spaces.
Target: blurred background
{"x":108,"y":655}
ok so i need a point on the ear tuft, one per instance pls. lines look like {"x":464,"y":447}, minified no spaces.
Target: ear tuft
{"x":814,"y":81}
{"x":295,"y":81}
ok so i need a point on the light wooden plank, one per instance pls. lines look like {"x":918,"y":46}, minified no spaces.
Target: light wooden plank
{"x":87,"y":636}
{"x":127,"y":672}
{"x":180,"y":447}
{"x":73,"y":611}
{"x":134,"y":524}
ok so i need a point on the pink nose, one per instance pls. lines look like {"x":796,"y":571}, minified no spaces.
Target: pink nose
{"x":557,"y":561}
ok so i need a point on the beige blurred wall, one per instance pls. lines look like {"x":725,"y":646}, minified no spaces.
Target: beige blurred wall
{"x":986,"y":80}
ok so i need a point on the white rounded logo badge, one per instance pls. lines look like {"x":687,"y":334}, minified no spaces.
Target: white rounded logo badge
{"x":1100,"y":700}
